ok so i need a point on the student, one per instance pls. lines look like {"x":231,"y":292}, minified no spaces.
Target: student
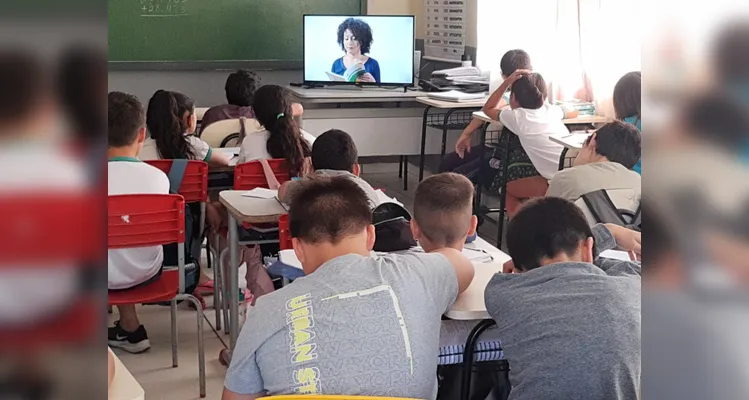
{"x":465,"y":159}
{"x":533,"y":158}
{"x":627,"y":103}
{"x":569,"y":320}
{"x":281,"y":138}
{"x":356,"y":324}
{"x":171,"y":123}
{"x":128,"y":268}
{"x":443,"y":212}
{"x":333,"y":154}
{"x":605,"y":162}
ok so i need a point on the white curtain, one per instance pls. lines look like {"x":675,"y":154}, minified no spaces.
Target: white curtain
{"x":581,"y":47}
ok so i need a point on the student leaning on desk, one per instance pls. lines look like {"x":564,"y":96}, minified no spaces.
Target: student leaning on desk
{"x":349,"y":310}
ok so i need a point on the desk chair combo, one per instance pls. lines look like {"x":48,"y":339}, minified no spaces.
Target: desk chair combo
{"x":154,"y":220}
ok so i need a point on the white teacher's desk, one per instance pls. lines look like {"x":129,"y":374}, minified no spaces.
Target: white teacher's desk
{"x":382,"y":122}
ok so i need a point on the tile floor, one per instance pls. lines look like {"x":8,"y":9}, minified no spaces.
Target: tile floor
{"x":153,"y":369}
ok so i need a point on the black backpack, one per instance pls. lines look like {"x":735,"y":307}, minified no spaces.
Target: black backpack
{"x":392,"y":228}
{"x":605,"y":212}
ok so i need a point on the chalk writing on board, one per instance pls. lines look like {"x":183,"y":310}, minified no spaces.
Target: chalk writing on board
{"x":164,"y":8}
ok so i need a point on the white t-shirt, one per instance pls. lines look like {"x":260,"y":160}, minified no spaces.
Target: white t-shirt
{"x":130,"y":267}
{"x":533,"y":128}
{"x":200,"y":148}
{"x":254,"y":147}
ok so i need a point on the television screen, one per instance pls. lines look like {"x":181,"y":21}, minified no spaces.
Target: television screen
{"x":376,"y":50}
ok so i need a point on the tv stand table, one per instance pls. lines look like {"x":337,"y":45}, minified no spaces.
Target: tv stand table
{"x":382,"y":121}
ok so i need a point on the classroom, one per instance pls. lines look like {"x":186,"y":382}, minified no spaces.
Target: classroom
{"x":374,"y":199}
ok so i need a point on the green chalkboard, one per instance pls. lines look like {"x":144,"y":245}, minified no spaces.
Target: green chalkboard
{"x":200,"y":32}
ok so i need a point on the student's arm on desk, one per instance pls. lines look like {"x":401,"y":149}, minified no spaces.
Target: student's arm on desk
{"x":218,"y":159}
{"x":229,"y":395}
{"x":608,"y":237}
{"x":463,"y":267}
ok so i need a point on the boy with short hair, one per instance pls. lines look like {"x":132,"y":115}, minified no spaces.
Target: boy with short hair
{"x":465,"y":159}
{"x":128,"y":175}
{"x":240,"y":90}
{"x":443,"y":212}
{"x":334,"y":153}
{"x":569,"y":320}
{"x":605,"y":162}
{"x":356,"y":324}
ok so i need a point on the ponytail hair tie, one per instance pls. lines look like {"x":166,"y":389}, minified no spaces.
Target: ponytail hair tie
{"x":279,"y":116}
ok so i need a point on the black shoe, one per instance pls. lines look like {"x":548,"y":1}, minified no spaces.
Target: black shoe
{"x":132,"y":342}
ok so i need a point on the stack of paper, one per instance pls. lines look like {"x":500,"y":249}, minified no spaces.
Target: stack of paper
{"x":261,"y":193}
{"x":456,"y":96}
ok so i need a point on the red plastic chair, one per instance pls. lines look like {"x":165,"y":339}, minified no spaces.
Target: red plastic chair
{"x":284,"y":235}
{"x":33,"y":226}
{"x":250,"y":175}
{"x":153,"y":220}
{"x":194,"y":186}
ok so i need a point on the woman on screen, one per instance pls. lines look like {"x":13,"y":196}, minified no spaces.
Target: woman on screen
{"x":355,"y":39}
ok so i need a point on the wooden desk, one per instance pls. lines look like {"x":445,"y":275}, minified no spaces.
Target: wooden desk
{"x":449,"y":108}
{"x":579,"y":120}
{"x":247,"y":210}
{"x":124,"y":386}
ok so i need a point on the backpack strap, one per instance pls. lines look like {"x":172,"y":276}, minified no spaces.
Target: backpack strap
{"x":176,"y":174}
{"x":270,"y":177}
{"x":242,"y":129}
{"x":603,"y":209}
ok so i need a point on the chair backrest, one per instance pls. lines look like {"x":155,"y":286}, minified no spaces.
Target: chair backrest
{"x":250,"y":175}
{"x":194,"y":187}
{"x":34,"y":224}
{"x":140,"y":220}
{"x":284,"y":235}
{"x":216,"y":132}
{"x":623,"y":199}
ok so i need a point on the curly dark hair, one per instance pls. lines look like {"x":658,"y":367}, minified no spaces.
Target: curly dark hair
{"x":240,"y":87}
{"x":361,"y":30}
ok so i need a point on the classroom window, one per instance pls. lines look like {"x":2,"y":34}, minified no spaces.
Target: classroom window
{"x":582,"y":47}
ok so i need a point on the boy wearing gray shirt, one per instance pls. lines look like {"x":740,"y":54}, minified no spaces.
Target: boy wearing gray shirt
{"x":569,"y":320}
{"x":355,"y":325}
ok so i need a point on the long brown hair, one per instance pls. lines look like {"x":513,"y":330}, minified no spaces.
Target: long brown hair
{"x":627,"y":96}
{"x":167,"y":125}
{"x":273,"y":110}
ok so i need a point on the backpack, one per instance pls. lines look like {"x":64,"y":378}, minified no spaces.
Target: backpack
{"x":392,"y":225}
{"x":604,"y":211}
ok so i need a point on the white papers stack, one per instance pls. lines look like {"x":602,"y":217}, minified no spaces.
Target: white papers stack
{"x":261,"y":193}
{"x":456,"y":96}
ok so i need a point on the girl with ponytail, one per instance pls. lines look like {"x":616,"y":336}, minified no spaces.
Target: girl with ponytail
{"x":171,"y":121}
{"x":282,"y":137}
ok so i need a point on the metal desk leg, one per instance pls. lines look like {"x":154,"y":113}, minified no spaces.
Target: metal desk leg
{"x":233,"y":283}
{"x":405,"y":173}
{"x":482,"y":150}
{"x":561,"y":158}
{"x":400,"y":167}
{"x":445,"y":128}
{"x":503,"y":196}
{"x":473,"y":339}
{"x":423,"y":142}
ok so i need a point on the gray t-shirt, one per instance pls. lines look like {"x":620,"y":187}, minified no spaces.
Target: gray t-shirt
{"x":357,"y":326}
{"x":571,"y":330}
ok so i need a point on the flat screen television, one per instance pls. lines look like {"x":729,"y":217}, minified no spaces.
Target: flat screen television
{"x":373,"y":50}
